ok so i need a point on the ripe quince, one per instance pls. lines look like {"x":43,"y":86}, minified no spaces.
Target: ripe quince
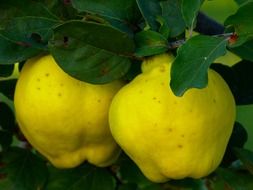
{"x":65,"y":119}
{"x":172,"y":137}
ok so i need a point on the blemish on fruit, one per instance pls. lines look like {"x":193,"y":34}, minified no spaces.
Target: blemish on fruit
{"x":59,"y":94}
{"x":61,"y":84}
{"x":180,"y":146}
{"x":182,"y":136}
{"x":140,"y":91}
{"x":38,"y":88}
{"x":162,"y":83}
{"x":99,"y":100}
{"x":47,"y":74}
{"x":214,"y":100}
{"x":170,"y":130}
{"x":154,"y":98}
{"x":38,"y":79}
{"x":162,"y":68}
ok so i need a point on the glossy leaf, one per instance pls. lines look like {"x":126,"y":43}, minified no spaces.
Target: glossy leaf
{"x":6,"y":70}
{"x":240,"y":2}
{"x":171,"y":11}
{"x":117,"y":12}
{"x":117,"y":9}
{"x":13,"y":8}
{"x":23,"y":170}
{"x":7,"y":125}
{"x":130,"y":173}
{"x":150,"y":43}
{"x":190,"y":11}
{"x":82,"y":177}
{"x":246,"y":156}
{"x":97,"y":35}
{"x":150,"y":11}
{"x":189,"y":70}
{"x":30,"y":31}
{"x":245,"y":51}
{"x":91,"y":52}
{"x":7,"y":87}
{"x":235,"y":180}
{"x":12,"y":53}
{"x":242,"y":22}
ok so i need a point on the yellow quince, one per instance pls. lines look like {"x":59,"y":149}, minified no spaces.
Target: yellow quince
{"x":172,"y":137}
{"x":65,"y":119}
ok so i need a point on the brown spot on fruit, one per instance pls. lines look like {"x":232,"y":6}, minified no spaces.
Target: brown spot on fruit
{"x":162,"y":68}
{"x":180,"y":146}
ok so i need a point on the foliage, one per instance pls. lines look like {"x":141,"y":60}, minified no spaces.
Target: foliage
{"x":99,"y":41}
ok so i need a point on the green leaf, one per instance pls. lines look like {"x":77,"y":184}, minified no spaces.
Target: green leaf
{"x":240,"y":2}
{"x":246,"y":156}
{"x":127,"y":187}
{"x":164,"y":27}
{"x":30,"y":31}
{"x":92,"y":52}
{"x":62,"y":9}
{"x":245,"y":51}
{"x":189,"y":69}
{"x":97,"y":35}
{"x":150,"y":43}
{"x":187,"y":183}
{"x":190,"y":11}
{"x":13,"y":8}
{"x":171,"y":11}
{"x":116,"y":9}
{"x":130,"y":173}
{"x":150,"y":11}
{"x":7,"y":87}
{"x":242,"y":22}
{"x":235,"y":180}
{"x":7,"y":125}
{"x":120,"y":13}
{"x":83,"y":177}
{"x":152,"y":187}
{"x":12,"y":53}
{"x":23,"y":169}
{"x":6,"y":70}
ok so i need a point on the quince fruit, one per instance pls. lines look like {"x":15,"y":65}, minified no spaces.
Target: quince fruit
{"x":172,"y":137}
{"x":65,"y":119}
